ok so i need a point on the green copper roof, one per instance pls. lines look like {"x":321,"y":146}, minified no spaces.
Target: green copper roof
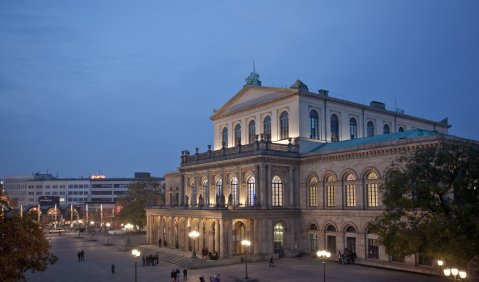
{"x":414,"y":133}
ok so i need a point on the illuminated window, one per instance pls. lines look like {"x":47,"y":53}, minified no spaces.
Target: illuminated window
{"x":313,"y":192}
{"x":234,"y":190}
{"x":251,"y":192}
{"x":277,"y":195}
{"x":372,"y":188}
{"x":331,"y":191}
{"x":350,"y":191}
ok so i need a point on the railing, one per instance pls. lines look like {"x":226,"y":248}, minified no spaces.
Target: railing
{"x":252,"y":148}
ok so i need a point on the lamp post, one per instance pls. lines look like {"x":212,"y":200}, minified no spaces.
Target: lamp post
{"x":246,"y":244}
{"x":193,"y":235}
{"x":323,"y":256}
{"x":454,"y":271}
{"x":135,"y":254}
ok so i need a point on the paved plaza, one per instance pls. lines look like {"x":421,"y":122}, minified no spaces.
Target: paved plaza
{"x":98,"y":260}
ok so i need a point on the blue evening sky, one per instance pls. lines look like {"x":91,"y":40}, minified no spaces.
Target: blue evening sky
{"x":124,"y":86}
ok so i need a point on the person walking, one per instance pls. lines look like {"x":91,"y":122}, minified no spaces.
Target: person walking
{"x":185,"y":274}
{"x":113,"y":268}
{"x":271,"y":262}
{"x":202,"y":278}
{"x":82,"y":255}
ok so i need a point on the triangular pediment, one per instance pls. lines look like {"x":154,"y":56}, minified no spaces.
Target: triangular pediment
{"x":250,"y":96}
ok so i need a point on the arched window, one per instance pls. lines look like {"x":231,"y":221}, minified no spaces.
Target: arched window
{"x":219,"y":187}
{"x":401,"y":129}
{"x":234,"y":190}
{"x":370,"y":127}
{"x":237,"y":134}
{"x":284,"y":125}
{"x":251,"y":192}
{"x":252,"y":131}
{"x":331,"y":202}
{"x":353,"y":128}
{"x":313,"y":192}
{"x":224,"y":137}
{"x":386,"y":129}
{"x":372,"y":189}
{"x":267,"y":128}
{"x":278,"y":236}
{"x":277,"y":193}
{"x":314,"y":121}
{"x":350,"y":190}
{"x":206,"y":189}
{"x":334,"y":128}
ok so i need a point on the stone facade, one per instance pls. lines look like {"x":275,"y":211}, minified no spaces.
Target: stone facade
{"x":288,"y":195}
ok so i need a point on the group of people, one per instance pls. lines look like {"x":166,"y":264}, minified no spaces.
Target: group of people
{"x":346,"y":257}
{"x":175,"y":275}
{"x":151,"y":260}
{"x":81,"y":255}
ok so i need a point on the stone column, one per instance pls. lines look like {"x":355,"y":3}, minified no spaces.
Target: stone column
{"x":290,"y":187}
{"x":229,"y":236}
{"x":222,"y":243}
{"x":161,"y":231}
{"x":268,"y":191}
{"x":182,"y":190}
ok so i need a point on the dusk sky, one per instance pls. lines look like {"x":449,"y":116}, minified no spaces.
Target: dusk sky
{"x":124,"y":86}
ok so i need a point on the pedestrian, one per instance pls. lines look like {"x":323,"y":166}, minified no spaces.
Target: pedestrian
{"x":218,"y":279}
{"x":143,"y":259}
{"x":202,"y":278}
{"x":82,"y":255}
{"x":271,"y":262}
{"x":113,"y":268}
{"x":185,"y":274}
{"x":173,"y":275}
{"x":79,"y":256}
{"x":177,"y":275}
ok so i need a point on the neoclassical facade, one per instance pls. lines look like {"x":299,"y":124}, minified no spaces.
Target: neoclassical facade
{"x":292,"y":171}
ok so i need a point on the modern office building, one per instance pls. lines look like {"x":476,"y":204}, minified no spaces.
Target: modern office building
{"x":27,"y":190}
{"x":292,"y":171}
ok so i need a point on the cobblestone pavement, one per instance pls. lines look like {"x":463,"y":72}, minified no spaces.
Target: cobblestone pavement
{"x":99,"y":258}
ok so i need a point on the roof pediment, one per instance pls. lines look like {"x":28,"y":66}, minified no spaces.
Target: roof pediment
{"x":250,"y":96}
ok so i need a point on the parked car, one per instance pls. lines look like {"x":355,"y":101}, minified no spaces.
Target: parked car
{"x":56,"y":230}
{"x":117,"y":231}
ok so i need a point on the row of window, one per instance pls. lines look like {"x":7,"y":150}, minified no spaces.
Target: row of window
{"x":284,"y":130}
{"x":314,"y":128}
{"x":372,"y":188}
{"x":277,"y":190}
{"x":77,"y":199}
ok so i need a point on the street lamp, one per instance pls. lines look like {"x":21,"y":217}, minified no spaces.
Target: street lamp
{"x":323,"y":256}
{"x":193,"y":235}
{"x":454,"y":271}
{"x":135,"y":254}
{"x":246,"y":244}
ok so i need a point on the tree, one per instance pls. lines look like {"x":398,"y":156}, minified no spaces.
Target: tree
{"x":23,"y":247}
{"x":140,"y":195}
{"x":432,"y":207}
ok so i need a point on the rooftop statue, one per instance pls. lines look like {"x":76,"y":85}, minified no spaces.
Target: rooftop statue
{"x":253,"y":79}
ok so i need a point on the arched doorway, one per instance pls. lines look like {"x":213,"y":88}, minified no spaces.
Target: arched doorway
{"x":278,"y":237}
{"x":331,"y":238}
{"x":239,"y":234}
{"x":313,"y":237}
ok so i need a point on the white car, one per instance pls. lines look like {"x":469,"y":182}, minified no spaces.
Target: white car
{"x":57,"y":230}
{"x":117,"y":231}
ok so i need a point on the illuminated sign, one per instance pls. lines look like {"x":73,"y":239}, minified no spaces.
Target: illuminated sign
{"x":97,"y":177}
